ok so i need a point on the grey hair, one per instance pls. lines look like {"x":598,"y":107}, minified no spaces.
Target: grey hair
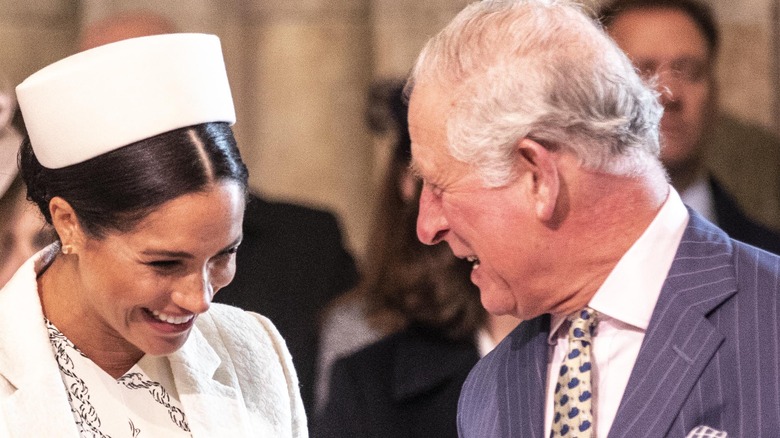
{"x":543,"y":70}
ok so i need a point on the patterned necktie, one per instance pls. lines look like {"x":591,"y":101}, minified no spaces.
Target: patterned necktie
{"x":573,"y":416}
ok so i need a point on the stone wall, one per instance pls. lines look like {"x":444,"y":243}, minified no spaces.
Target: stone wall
{"x":299,"y":71}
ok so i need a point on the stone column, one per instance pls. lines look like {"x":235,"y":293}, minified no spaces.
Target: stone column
{"x":402,"y":27}
{"x":745,"y":60}
{"x":311,"y":66}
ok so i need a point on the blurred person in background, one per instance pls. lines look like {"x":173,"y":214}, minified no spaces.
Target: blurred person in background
{"x":23,"y":231}
{"x":674,"y":43}
{"x":292,"y":260}
{"x":417,"y":299}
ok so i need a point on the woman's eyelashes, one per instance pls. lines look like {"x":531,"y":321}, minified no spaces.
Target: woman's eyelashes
{"x":173,"y":264}
{"x":164,"y":265}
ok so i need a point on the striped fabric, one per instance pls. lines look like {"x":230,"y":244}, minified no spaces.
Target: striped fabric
{"x":711,"y":354}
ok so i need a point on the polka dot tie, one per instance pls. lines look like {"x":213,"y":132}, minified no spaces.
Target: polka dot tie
{"x":573,"y":416}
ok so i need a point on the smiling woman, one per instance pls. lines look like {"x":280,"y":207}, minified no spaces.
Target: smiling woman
{"x":110,"y":331}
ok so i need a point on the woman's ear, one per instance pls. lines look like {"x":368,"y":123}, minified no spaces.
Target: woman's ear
{"x":544,"y":179}
{"x":67,"y":225}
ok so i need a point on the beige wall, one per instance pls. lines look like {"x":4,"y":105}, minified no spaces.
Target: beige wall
{"x":300,"y":69}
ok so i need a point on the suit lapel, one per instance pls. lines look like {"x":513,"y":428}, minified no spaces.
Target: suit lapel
{"x":680,"y":341}
{"x":522,"y":385}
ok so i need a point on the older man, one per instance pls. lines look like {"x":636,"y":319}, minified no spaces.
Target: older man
{"x":538,"y":146}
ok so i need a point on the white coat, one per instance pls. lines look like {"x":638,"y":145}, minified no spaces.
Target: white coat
{"x":234,"y":375}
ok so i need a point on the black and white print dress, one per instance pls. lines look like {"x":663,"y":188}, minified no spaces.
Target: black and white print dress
{"x":142,"y":403}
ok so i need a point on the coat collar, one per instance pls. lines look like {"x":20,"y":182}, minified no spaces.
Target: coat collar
{"x":37,"y":404}
{"x":680,"y":340}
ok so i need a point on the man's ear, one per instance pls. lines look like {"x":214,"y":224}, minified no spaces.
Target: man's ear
{"x":67,"y":224}
{"x":544,"y":180}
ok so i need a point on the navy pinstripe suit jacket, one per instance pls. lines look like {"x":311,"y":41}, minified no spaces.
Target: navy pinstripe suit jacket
{"x":710,"y":355}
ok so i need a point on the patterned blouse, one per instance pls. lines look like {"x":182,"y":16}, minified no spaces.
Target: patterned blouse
{"x":143,"y":403}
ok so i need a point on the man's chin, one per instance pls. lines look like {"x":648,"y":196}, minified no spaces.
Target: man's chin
{"x":497,"y":301}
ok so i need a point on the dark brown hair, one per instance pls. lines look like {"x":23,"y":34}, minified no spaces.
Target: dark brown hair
{"x":115,"y":190}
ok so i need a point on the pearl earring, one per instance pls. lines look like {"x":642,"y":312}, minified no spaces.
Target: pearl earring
{"x":66,"y":249}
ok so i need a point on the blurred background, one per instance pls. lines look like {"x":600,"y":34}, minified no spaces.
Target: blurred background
{"x":300,"y":71}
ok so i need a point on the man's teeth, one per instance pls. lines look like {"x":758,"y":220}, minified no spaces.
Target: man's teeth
{"x":172,"y":319}
{"x":474,"y":260}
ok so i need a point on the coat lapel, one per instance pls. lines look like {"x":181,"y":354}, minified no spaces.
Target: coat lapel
{"x":208,"y":393}
{"x":35,"y":403}
{"x":680,"y":340}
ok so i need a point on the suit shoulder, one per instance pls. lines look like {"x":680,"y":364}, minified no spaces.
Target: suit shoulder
{"x":759,"y":264}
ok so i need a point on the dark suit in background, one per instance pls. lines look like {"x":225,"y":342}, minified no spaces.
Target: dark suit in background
{"x":404,"y":386}
{"x":710,"y":355}
{"x":291,"y":263}
{"x":736,"y":224}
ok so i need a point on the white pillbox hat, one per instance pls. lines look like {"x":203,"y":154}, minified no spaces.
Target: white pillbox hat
{"x":105,"y":98}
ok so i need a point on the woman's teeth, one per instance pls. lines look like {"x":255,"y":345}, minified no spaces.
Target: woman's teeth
{"x":474,"y":261}
{"x":172,"y":319}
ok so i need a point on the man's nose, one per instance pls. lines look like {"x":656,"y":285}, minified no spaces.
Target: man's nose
{"x":432,"y":226}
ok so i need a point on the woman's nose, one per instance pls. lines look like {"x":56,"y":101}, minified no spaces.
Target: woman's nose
{"x":195,"y":293}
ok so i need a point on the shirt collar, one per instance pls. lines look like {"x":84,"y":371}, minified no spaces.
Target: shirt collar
{"x":631,"y":289}
{"x":698,"y":196}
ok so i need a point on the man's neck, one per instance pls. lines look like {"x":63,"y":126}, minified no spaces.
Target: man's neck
{"x":607,"y":214}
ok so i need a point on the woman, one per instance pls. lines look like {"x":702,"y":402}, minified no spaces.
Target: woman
{"x":110,"y":331}
{"x":420,"y":299}
{"x":22,"y":229}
